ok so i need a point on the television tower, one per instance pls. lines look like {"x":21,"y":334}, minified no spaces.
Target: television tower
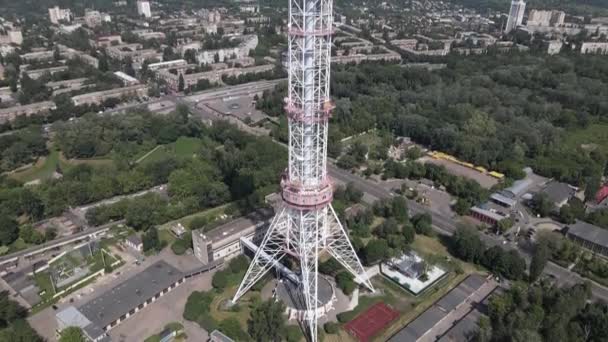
{"x":307,"y":225}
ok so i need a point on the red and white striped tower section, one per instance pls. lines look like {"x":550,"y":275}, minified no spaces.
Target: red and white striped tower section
{"x":307,"y":225}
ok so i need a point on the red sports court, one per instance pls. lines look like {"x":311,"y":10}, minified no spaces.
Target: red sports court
{"x":371,"y":321}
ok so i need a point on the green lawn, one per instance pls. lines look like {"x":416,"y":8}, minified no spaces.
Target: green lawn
{"x":184,"y":147}
{"x":44,"y":167}
{"x":592,"y":137}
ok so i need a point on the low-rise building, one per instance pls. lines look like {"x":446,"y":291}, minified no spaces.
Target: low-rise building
{"x":171,"y":76}
{"x":224,"y":242}
{"x":247,"y":44}
{"x":135,"y":242}
{"x":102,"y":313}
{"x":149,"y":34}
{"x":8,"y":114}
{"x":488,"y":215}
{"x":127,"y":80}
{"x":106,"y":41}
{"x":167,"y":65}
{"x":99,"y":96}
{"x":559,"y":193}
{"x":594,"y":48}
{"x":37,"y":73}
{"x":589,"y":236}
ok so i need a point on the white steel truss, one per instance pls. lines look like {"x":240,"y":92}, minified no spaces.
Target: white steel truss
{"x":307,"y":225}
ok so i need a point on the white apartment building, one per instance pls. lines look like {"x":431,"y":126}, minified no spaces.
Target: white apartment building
{"x":516,"y":15}
{"x":57,"y":14}
{"x":143,"y":8}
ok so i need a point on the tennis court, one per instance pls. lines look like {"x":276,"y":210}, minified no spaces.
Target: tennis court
{"x":371,"y":321}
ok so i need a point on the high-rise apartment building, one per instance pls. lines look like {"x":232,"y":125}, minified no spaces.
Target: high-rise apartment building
{"x":143,"y":8}
{"x":516,"y":15}
{"x":57,"y":14}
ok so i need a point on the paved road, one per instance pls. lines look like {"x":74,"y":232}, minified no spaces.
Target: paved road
{"x":445,"y":225}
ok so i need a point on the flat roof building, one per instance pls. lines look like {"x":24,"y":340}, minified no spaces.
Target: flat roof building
{"x":127,"y":80}
{"x":122,"y":301}
{"x":559,"y":193}
{"x":464,"y":293}
{"x":99,"y":96}
{"x":10,"y":113}
{"x":225,"y":240}
{"x":589,"y":236}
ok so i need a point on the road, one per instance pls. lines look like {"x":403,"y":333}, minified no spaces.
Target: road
{"x":446,"y":226}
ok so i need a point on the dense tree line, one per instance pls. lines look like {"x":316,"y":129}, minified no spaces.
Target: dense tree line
{"x":244,"y":170}
{"x":467,"y":245}
{"x":544,"y":313}
{"x":13,"y":326}
{"x":498,"y":111}
{"x":273,"y":74}
{"x":21,"y":147}
{"x":98,"y":135}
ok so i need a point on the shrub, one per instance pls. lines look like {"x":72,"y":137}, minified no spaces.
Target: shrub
{"x":331,"y":327}
{"x":346,"y":316}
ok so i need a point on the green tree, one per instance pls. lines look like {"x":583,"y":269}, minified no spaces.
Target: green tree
{"x":9,"y":230}
{"x":467,"y":245}
{"x":539,"y":260}
{"x":181,"y":83}
{"x":423,"y":223}
{"x":267,"y":322}
{"x":72,"y":334}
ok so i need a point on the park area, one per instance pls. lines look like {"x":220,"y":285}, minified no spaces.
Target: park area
{"x":184,"y":147}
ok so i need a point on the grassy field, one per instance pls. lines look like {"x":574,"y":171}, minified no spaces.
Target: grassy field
{"x":184,"y":147}
{"x":592,"y":137}
{"x":44,"y":167}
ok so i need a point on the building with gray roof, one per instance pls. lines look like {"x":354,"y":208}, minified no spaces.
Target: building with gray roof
{"x":107,"y":310}
{"x":559,"y":193}
{"x":224,"y":242}
{"x":420,"y":326}
{"x":589,"y":236}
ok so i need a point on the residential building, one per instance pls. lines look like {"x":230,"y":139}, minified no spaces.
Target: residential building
{"x":8,"y":114}
{"x":554,"y":46}
{"x":10,"y":34}
{"x":99,"y":96}
{"x":516,"y":15}
{"x":589,"y":236}
{"x":143,"y":8}
{"x":104,"y":312}
{"x":248,"y":43}
{"x":135,"y":242}
{"x":37,"y":73}
{"x":594,"y":48}
{"x":171,"y":76}
{"x":167,"y":65}
{"x":546,"y":18}
{"x":106,"y":41}
{"x":149,"y":34}
{"x":57,"y":14}
{"x":127,"y":80}
{"x":92,"y":18}
{"x":224,"y":242}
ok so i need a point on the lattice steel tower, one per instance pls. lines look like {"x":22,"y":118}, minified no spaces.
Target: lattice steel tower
{"x":307,"y":224}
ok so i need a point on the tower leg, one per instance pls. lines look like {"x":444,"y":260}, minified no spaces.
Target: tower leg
{"x":270,"y":251}
{"x":311,"y":223}
{"x":339,"y":246}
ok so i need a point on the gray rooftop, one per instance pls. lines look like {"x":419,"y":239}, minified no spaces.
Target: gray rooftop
{"x":558,"y":192}
{"x":218,"y":336}
{"x":257,"y":217}
{"x":589,"y":232}
{"x":428,"y":319}
{"x":117,"y":301}
{"x":134,"y":239}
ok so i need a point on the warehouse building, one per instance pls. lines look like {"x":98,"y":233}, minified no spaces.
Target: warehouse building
{"x":589,"y":236}
{"x":107,"y":310}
